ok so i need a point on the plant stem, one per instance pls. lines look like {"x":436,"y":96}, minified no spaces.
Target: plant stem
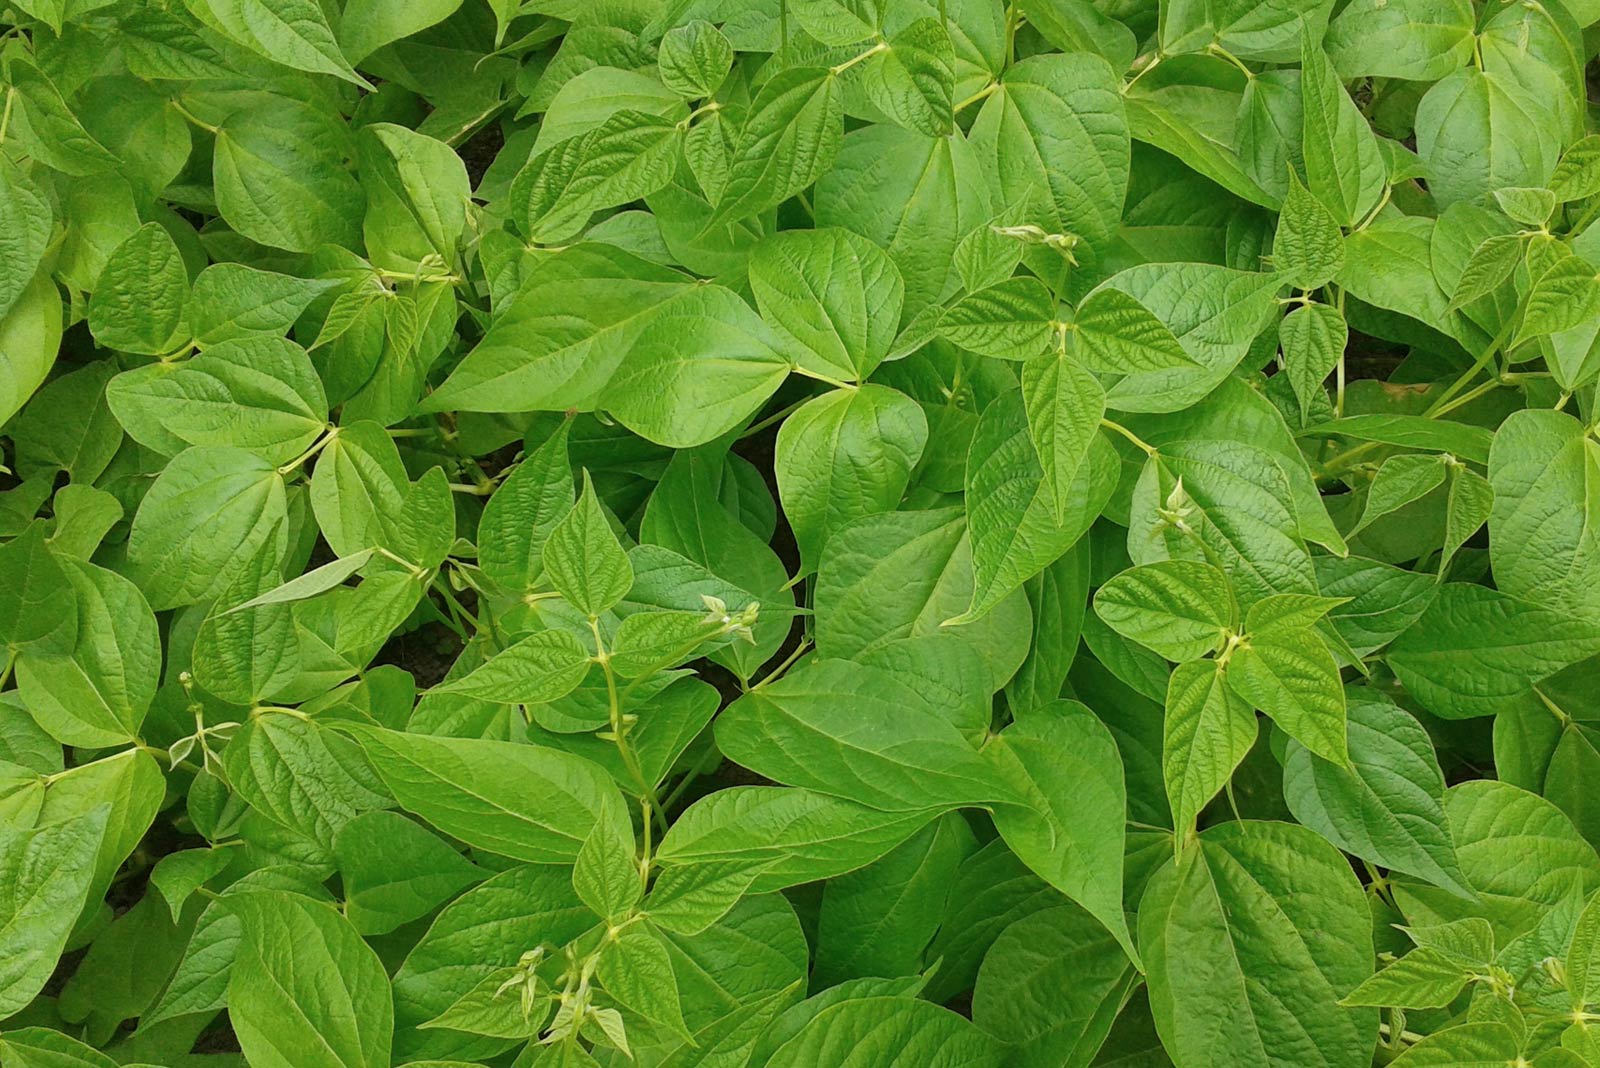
{"x":618,"y":728}
{"x":1144,"y":446}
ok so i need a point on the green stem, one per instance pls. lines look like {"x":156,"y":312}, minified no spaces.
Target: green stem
{"x":1144,"y":446}
{"x":806,"y":372}
{"x":619,"y":729}
{"x":320,"y":444}
{"x":194,"y":119}
{"x":876,"y":49}
{"x":982,"y":94}
{"x":1470,"y":373}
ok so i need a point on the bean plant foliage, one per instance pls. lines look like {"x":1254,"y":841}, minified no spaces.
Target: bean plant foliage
{"x":799,"y":534}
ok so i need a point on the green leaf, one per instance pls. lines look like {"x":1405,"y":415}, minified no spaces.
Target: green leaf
{"x":834,"y":293}
{"x":697,"y":369}
{"x":540,"y":668}
{"x":1065,"y":404}
{"x":1480,"y":130}
{"x":304,"y":989}
{"x":522,"y":801}
{"x":1010,"y":320}
{"x":394,"y":870}
{"x":1114,"y":334}
{"x":37,"y":610}
{"x":1011,"y":512}
{"x":1387,"y":807}
{"x":1280,"y":917}
{"x":211,"y":507}
{"x":1474,"y":649}
{"x":231,"y":300}
{"x":279,"y":173}
{"x":46,"y":125}
{"x":1071,"y":825}
{"x":844,"y":455}
{"x":636,"y":969}
{"x":1563,"y":297}
{"x":1544,"y":472}
{"x":606,"y":873}
{"x":1344,"y":169}
{"x":1313,"y":338}
{"x":45,"y":873}
{"x":178,"y":875}
{"x":1208,"y":732}
{"x":1400,"y":481}
{"x":1055,"y":137}
{"x":1290,"y":675}
{"x":30,"y":334}
{"x":695,"y":59}
{"x":789,"y":836}
{"x":1051,"y":987}
{"x":1179,"y":608}
{"x":292,"y":32}
{"x":367,"y":25}
{"x":1421,"y":40}
{"x":789,"y":139}
{"x":888,"y":1032}
{"x":913,"y":79}
{"x":827,"y":727}
{"x":139,"y":300}
{"x":690,"y":898}
{"x":584,"y":560}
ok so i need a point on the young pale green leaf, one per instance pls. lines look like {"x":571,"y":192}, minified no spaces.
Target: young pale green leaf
{"x":789,"y":139}
{"x":583,"y":559}
{"x":138,"y":302}
{"x":1179,"y":608}
{"x":1307,"y":246}
{"x":836,"y":294}
{"x":695,"y":59}
{"x":1208,"y":731}
{"x":1313,"y":338}
{"x":912,"y":80}
{"x":1289,"y":674}
{"x":1011,"y":320}
{"x":606,"y":873}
